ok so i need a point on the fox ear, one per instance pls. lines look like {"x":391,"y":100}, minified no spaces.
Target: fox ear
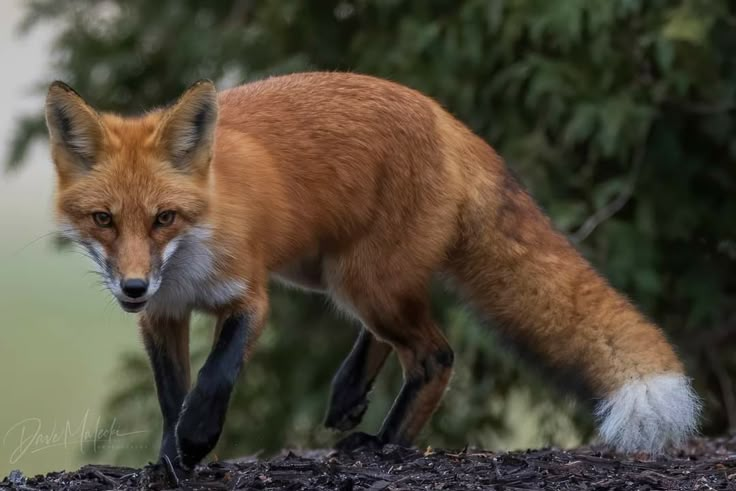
{"x":187,"y":131}
{"x":74,"y":128}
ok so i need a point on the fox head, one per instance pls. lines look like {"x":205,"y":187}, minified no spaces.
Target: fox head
{"x":130,"y":190}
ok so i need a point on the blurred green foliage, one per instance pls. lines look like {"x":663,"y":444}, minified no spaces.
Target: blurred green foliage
{"x":617,"y":114}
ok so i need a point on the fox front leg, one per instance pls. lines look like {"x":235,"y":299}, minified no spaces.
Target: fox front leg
{"x":203,"y":412}
{"x":167,"y":344}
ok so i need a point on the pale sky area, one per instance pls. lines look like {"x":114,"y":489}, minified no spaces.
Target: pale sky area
{"x":60,"y":339}
{"x":26,"y":62}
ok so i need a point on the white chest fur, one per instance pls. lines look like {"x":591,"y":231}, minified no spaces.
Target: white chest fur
{"x":189,"y":279}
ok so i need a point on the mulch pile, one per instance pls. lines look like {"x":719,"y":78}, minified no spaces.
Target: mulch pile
{"x":706,"y":464}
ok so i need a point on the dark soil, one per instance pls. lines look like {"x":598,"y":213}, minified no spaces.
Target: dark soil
{"x":706,"y":464}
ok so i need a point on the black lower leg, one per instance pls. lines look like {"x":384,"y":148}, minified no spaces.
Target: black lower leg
{"x":172,"y":383}
{"x":203,"y":412}
{"x":422,"y":391}
{"x":391,"y":430}
{"x":354,"y":380}
{"x":423,"y":387}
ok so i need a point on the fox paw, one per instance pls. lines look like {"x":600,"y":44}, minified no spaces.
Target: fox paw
{"x":199,"y":427}
{"x":173,"y":471}
{"x":359,"y":441}
{"x":345,"y":417}
{"x":168,"y":446}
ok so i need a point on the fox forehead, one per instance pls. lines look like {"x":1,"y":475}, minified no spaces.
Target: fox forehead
{"x":119,"y":186}
{"x":128,"y":146}
{"x":133,"y":133}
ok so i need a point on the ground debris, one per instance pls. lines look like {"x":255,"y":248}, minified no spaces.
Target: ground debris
{"x":706,"y":464}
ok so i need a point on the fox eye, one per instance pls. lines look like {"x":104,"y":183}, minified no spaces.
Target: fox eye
{"x":165,"y":218}
{"x":102,"y":219}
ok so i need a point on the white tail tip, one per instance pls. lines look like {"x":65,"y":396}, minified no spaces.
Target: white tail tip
{"x":649,"y":414}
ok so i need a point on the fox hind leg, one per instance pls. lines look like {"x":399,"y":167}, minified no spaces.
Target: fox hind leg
{"x":426,"y":360}
{"x":354,"y":380}
{"x":384,"y":279}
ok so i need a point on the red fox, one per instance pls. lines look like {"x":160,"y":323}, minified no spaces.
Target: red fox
{"x":362,"y":189}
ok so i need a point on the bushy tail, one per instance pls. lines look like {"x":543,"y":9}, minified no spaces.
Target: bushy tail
{"x":516,"y":268}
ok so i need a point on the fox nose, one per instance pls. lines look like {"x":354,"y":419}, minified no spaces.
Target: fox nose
{"x":134,"y":288}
